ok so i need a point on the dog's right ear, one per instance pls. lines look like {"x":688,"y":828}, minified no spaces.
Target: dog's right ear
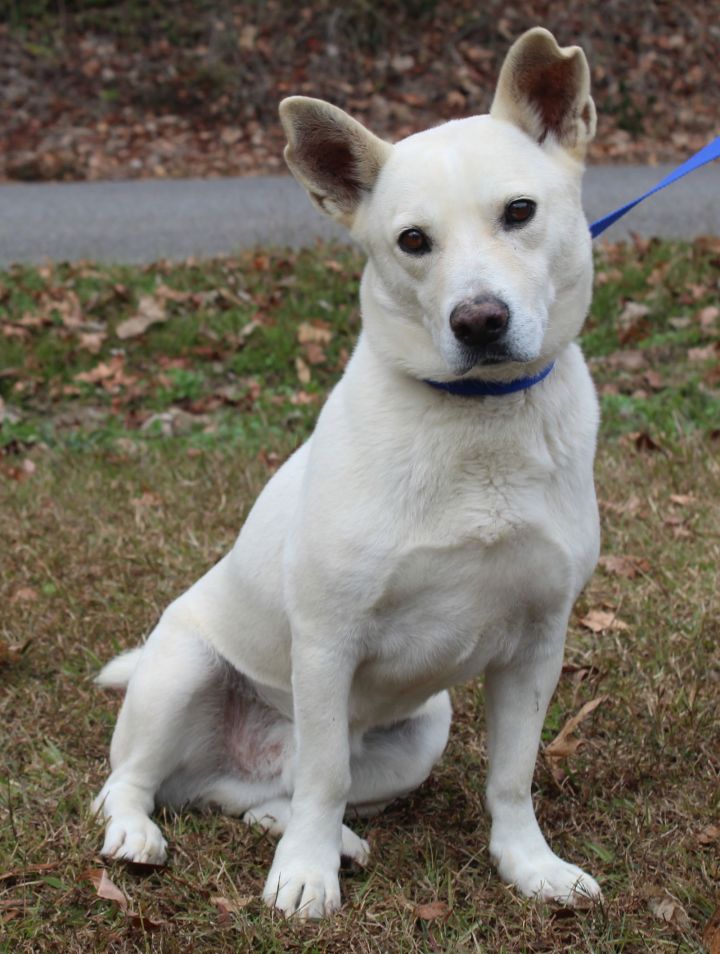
{"x":332,"y":155}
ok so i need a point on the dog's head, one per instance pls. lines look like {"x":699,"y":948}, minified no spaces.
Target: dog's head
{"x":479,"y":257}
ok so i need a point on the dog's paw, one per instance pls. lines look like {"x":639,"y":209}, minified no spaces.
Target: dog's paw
{"x":549,"y":878}
{"x":303,"y":888}
{"x":134,"y":838}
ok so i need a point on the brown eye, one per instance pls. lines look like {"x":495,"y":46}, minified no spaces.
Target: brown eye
{"x":518,"y":212}
{"x":414,"y":242}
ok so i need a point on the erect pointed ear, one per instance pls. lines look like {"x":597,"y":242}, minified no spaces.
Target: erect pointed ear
{"x":332,"y":155}
{"x":545,"y":90}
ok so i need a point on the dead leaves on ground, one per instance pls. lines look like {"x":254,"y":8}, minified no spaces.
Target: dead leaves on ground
{"x":91,"y":103}
{"x":227,"y":908}
{"x":110,"y":375}
{"x":109,"y":891}
{"x":668,"y":909}
{"x":565,"y":744}
{"x":150,"y":311}
{"x":432,"y":911}
{"x":602,"y":621}
{"x":711,"y":934}
{"x":628,"y":567}
{"x":312,"y":337}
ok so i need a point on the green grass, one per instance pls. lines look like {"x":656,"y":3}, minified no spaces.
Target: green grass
{"x":106,"y":519}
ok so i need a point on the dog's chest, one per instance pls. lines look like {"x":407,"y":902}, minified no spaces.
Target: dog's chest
{"x":474,"y":583}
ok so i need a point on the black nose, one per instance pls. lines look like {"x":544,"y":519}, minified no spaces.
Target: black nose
{"x":478,"y":322}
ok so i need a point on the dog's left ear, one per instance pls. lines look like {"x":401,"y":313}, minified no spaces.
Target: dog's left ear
{"x":545,"y":90}
{"x":331,"y":154}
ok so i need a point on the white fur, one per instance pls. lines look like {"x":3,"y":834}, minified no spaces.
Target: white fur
{"x":417,"y":539}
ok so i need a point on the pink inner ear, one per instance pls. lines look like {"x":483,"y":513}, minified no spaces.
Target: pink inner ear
{"x":551,"y":87}
{"x":329,"y":161}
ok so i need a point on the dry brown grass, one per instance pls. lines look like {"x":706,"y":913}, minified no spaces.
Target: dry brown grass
{"x":114,"y":521}
{"x":87,"y":563}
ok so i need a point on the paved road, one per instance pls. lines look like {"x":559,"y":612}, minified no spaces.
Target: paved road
{"x":141,"y":221}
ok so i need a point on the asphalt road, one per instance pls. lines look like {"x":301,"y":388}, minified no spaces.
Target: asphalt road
{"x":141,"y":221}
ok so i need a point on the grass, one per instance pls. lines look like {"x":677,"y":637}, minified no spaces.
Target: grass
{"x":118,"y":491}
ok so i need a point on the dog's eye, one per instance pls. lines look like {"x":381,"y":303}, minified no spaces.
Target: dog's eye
{"x":518,"y":212}
{"x":414,"y":242}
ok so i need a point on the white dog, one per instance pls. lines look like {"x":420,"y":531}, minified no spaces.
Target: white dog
{"x":439,"y":523}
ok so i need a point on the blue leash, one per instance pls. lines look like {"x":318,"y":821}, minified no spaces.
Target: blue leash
{"x":472,"y":387}
{"x":701,"y":158}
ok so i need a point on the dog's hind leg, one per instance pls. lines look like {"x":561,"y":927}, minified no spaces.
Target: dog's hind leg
{"x":391,"y":761}
{"x":162,"y":718}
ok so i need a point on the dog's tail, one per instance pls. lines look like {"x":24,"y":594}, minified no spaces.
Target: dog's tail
{"x":116,"y":674}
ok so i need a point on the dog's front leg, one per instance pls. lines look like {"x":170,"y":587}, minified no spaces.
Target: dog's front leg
{"x":303,"y":878}
{"x":517,"y":698}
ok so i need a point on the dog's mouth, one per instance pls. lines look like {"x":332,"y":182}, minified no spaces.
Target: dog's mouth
{"x":468,"y":358}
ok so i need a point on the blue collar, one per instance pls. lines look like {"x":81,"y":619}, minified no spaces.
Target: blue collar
{"x":472,"y":387}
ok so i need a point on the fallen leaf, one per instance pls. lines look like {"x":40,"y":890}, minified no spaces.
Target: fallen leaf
{"x":166,"y":293}
{"x":632,"y":322}
{"x":246,"y":331}
{"x":316,"y":333}
{"x":32,"y":321}
{"x":598,"y":621}
{"x":151,"y":310}
{"x":148,"y":499}
{"x":301,"y":398}
{"x":26,"y":594}
{"x":683,"y":500}
{"x":631,"y":506}
{"x":626,"y":360}
{"x":66,"y":304}
{"x":8,"y":655}
{"x":99,"y":373}
{"x":708,"y":835}
{"x":563,"y":744}
{"x":432,"y":911}
{"x":667,"y":908}
{"x":711,"y":934}
{"x":92,"y":341}
{"x":105,"y":887}
{"x":12,"y":331}
{"x":144,"y":922}
{"x":314,"y":353}
{"x":303,"y":371}
{"x":708,"y":353}
{"x":227,"y":908}
{"x":708,"y":316}
{"x":173,"y":421}
{"x":625,"y":566}
{"x":110,"y":374}
{"x":17,"y":874}
{"x":653,"y":380}
{"x":333,"y":266}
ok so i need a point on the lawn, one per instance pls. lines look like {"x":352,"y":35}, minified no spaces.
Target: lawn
{"x":143,"y":409}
